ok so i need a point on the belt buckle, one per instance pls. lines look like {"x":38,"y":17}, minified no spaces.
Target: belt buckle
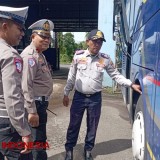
{"x":46,"y":98}
{"x":39,"y":98}
{"x":88,"y":95}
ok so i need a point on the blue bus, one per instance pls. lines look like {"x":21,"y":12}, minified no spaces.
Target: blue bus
{"x":136,"y":29}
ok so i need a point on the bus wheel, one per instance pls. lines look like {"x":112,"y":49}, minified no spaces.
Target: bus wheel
{"x":138,"y":133}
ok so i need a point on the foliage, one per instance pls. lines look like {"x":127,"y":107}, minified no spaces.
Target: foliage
{"x":118,"y":56}
{"x":67,"y":46}
{"x":81,"y":45}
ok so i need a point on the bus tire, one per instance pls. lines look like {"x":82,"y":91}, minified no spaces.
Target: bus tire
{"x":138,"y":133}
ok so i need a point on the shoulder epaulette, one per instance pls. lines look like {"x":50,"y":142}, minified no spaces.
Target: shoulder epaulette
{"x":105,"y":55}
{"x":30,"y":53}
{"x":78,"y":52}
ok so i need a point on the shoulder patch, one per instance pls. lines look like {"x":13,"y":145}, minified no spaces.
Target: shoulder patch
{"x":105,"y":55}
{"x":78,"y":52}
{"x":31,"y":62}
{"x":19,"y":64}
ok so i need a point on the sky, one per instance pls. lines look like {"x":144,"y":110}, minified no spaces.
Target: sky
{"x":78,"y":36}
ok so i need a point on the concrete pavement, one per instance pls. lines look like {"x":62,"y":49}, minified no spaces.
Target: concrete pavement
{"x":113,"y":140}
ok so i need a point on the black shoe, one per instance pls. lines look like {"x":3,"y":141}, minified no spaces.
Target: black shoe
{"x":88,"y":155}
{"x":69,"y":155}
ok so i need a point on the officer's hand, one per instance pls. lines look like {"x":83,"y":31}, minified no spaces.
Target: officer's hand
{"x":33,"y":119}
{"x":137,"y":88}
{"x":26,"y":140}
{"x":65,"y":101}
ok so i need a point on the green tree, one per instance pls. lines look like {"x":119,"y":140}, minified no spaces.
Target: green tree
{"x":81,"y":45}
{"x":67,"y":46}
{"x":60,"y":42}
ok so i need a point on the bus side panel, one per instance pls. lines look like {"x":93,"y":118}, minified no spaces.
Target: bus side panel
{"x":149,"y":8}
{"x":145,"y":53}
{"x":132,"y":16}
{"x":156,"y":81}
{"x":145,"y":10}
{"x":156,"y":134}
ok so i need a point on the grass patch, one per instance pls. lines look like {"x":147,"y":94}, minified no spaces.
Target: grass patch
{"x":108,"y":90}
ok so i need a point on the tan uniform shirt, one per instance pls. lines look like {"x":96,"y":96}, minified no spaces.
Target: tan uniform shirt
{"x":36,"y":79}
{"x":86,"y":73}
{"x":11,"y":97}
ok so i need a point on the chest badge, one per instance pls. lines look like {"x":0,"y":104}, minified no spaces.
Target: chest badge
{"x":82,"y":60}
{"x":101,"y":63}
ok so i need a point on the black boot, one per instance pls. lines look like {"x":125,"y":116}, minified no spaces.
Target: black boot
{"x":69,"y":155}
{"x":88,"y":155}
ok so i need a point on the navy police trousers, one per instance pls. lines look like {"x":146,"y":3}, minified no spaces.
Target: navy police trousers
{"x":39,"y":133}
{"x":80,"y":103}
{"x":9,"y":134}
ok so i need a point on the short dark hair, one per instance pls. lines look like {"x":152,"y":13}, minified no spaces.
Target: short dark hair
{"x":5,"y":20}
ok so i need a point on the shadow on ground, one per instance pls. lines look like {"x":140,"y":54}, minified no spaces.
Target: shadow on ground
{"x":62,"y":73}
{"x":102,"y":148}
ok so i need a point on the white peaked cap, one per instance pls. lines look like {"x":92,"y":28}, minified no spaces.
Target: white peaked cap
{"x":43,"y":25}
{"x":18,"y":15}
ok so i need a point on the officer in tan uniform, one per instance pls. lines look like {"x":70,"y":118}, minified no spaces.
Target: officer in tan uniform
{"x":86,"y":76}
{"x":37,"y":82}
{"x":13,"y":124}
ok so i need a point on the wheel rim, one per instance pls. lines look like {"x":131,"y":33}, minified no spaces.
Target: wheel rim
{"x":138,"y":137}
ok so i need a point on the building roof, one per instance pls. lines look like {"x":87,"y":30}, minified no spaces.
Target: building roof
{"x":67,"y":15}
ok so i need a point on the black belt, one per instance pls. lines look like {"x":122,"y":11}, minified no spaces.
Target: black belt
{"x":41,"y":98}
{"x":3,"y":113}
{"x":88,"y":95}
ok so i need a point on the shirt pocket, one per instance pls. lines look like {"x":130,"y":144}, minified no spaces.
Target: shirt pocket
{"x":98,"y":74}
{"x":45,"y":73}
{"x":82,"y":70}
{"x":44,"y":68}
{"x":100,"y":69}
{"x":82,"y":66}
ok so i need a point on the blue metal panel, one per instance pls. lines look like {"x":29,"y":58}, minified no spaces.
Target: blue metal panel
{"x":132,"y":16}
{"x":156,"y":142}
{"x":145,"y":11}
{"x":128,"y":10}
{"x":144,"y":44}
{"x":137,"y":11}
{"x":146,"y":54}
{"x":149,"y":8}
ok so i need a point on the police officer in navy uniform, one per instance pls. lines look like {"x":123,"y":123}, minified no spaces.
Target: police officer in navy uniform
{"x":86,"y":76}
{"x":13,"y":123}
{"x":37,"y":82}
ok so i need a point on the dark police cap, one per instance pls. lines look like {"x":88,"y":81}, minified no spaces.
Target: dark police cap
{"x":96,"y":34}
